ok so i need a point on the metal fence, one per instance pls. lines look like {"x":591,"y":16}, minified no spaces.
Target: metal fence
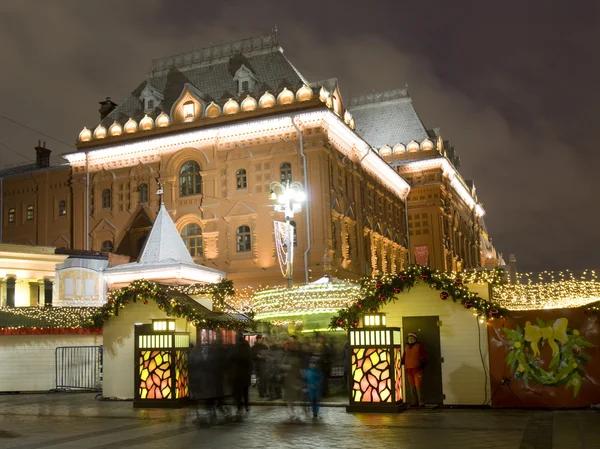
{"x":79,"y":367}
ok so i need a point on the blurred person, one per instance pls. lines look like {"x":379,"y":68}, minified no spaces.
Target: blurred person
{"x":292,"y":375}
{"x":240,"y":360}
{"x":259,"y":358}
{"x":414,"y":360}
{"x":325,"y":356}
{"x":314,"y":382}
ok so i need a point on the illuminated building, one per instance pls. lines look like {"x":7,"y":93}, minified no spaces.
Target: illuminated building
{"x":214,"y":128}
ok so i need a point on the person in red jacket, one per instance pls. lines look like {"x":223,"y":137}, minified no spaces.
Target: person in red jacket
{"x":414,"y":361}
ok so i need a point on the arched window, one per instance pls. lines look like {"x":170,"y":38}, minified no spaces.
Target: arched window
{"x":143,"y":193}
{"x":12,"y":214}
{"x":241,"y":179}
{"x":192,"y":237}
{"x":190,"y":181}
{"x":286,"y":172}
{"x":107,"y":246}
{"x":245,"y":86}
{"x":106,"y":199}
{"x":30,"y":212}
{"x":62,"y":207}
{"x":244,"y":243}
{"x":293,"y":223}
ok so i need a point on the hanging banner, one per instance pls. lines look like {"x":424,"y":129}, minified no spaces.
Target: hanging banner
{"x":422,"y":255}
{"x":545,"y":358}
{"x":282,"y":244}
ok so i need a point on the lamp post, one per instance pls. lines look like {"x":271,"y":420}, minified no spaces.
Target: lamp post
{"x":288,"y":198}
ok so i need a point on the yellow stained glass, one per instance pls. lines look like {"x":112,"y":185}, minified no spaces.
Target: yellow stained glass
{"x":367,"y":365}
{"x":144,"y":393}
{"x":357,"y":396}
{"x":166,"y":392}
{"x":360,"y":354}
{"x":158,"y":360}
{"x":144,"y":374}
{"x":358,"y":374}
{"x":146,"y":355}
{"x":152,"y":365}
{"x":374,"y":358}
{"x":384,"y":395}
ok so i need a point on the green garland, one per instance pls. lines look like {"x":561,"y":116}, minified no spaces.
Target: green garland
{"x":143,"y":290}
{"x":381,"y":290}
{"x":568,"y":355}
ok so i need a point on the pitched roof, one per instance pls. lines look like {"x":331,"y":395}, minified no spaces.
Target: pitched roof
{"x":387,"y":118}
{"x":164,"y":244}
{"x":211,"y":70}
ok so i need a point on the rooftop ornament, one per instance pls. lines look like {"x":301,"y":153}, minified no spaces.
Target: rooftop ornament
{"x":115,"y":129}
{"x":85,"y":135}
{"x":100,"y":132}
{"x":249,"y":104}
{"x":131,"y":126}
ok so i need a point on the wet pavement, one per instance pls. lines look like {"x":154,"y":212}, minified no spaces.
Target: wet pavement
{"x":59,"y":420}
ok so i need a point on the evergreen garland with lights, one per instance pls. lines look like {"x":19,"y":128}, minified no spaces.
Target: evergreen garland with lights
{"x":381,"y":290}
{"x":164,"y":297}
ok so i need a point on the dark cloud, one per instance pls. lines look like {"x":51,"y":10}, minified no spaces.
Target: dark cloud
{"x":512,"y":84}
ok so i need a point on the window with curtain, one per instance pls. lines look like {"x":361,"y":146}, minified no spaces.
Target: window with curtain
{"x":62,"y":207}
{"x":243,"y":239}
{"x":12,"y":214}
{"x":241,"y":179}
{"x":30,"y":212}
{"x":143,"y":193}
{"x":106,"y":199}
{"x":286,"y":172}
{"x":190,"y":181}
{"x":192,"y":237}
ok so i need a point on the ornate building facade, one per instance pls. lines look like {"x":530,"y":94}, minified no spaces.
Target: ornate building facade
{"x":211,"y":129}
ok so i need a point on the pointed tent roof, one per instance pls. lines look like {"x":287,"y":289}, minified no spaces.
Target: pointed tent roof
{"x":164,"y":244}
{"x":164,"y":258}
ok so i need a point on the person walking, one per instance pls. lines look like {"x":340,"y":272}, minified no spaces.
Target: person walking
{"x":314,"y":384}
{"x":293,"y":375}
{"x":414,"y":360}
{"x":240,"y":360}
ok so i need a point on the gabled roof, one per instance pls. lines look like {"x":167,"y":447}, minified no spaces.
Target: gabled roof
{"x":164,"y":244}
{"x":387,"y":118}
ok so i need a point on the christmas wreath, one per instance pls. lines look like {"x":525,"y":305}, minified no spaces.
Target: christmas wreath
{"x":568,"y":355}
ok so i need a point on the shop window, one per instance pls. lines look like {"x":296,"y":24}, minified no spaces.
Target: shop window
{"x":243,"y":238}
{"x":192,"y":237}
{"x":190,"y":181}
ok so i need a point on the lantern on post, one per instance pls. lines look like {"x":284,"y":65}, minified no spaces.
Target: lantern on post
{"x":375,"y":380}
{"x":161,"y":371}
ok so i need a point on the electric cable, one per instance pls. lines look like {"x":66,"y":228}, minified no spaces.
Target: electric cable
{"x":15,"y":151}
{"x":35,"y":130}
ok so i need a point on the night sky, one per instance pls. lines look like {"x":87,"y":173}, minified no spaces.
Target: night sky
{"x":512,"y":84}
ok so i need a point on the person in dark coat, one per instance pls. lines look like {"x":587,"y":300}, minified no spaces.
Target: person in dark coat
{"x":259,"y":357}
{"x":240,"y":363}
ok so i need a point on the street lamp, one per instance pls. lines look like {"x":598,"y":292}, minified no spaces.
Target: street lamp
{"x":288,"y":198}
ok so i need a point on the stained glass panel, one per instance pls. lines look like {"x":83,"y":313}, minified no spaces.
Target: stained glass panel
{"x":181,"y":375}
{"x":155,"y":375}
{"x":371,"y":375}
{"x":398,"y":372}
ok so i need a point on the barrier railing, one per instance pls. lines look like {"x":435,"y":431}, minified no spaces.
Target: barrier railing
{"x":79,"y":367}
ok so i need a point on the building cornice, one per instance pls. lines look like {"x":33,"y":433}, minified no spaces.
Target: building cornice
{"x":449,"y":171}
{"x":224,"y":137}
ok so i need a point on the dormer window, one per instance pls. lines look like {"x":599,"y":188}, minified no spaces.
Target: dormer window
{"x":150,"y":98}
{"x":188,"y":110}
{"x":245,"y":79}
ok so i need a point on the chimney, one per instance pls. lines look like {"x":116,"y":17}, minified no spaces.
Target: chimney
{"x":42,"y":155}
{"x":106,"y":107}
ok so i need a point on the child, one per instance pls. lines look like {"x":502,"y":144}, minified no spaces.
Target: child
{"x":314,"y":383}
